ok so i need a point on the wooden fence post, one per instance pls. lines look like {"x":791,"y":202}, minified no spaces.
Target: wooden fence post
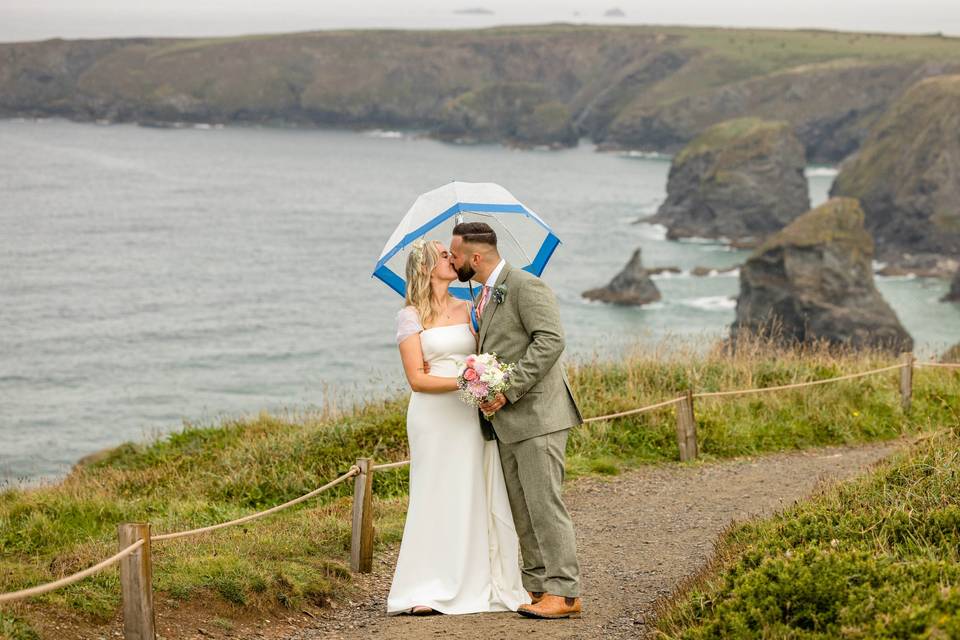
{"x":686,"y":428}
{"x":361,"y":541}
{"x":136,"y":583}
{"x":906,"y":380}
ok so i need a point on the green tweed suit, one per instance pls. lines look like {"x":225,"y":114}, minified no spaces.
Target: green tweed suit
{"x":522,"y":326}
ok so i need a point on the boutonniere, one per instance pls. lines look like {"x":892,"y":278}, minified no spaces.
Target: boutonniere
{"x":500,"y":293}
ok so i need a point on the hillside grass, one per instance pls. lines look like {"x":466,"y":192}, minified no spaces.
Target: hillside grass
{"x":878,"y":557}
{"x":208,"y":474}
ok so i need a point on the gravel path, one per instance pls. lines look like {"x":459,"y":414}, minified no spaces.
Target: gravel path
{"x":639,"y":534}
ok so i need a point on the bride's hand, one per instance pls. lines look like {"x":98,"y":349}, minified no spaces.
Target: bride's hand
{"x":494,"y":405}
{"x":426,"y":367}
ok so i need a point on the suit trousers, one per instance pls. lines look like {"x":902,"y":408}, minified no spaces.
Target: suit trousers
{"x":533,"y":470}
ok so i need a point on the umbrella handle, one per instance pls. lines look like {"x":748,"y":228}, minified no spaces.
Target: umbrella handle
{"x":474,"y":319}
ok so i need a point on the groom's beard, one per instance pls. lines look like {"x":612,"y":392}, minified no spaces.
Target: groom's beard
{"x":465,"y":273}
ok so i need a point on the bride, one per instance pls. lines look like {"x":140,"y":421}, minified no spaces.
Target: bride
{"x":459,"y":552}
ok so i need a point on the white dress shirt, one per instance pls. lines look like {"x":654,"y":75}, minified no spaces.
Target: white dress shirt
{"x":492,"y":280}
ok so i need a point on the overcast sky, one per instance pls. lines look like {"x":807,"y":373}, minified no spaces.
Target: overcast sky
{"x":40,"y":19}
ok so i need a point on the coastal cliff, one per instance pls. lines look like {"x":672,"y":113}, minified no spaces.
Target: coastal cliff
{"x":907,"y":177}
{"x":742,"y":180}
{"x":652,"y":88}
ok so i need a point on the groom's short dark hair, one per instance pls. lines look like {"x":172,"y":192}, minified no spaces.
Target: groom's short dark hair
{"x":478,"y":232}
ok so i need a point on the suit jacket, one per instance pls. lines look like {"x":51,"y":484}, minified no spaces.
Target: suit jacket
{"x":525,"y":330}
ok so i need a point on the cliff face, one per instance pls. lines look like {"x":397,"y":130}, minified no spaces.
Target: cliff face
{"x":638,"y":87}
{"x":742,"y":179}
{"x":830,"y":106}
{"x":486,"y":86}
{"x":907,"y":175}
{"x":814,"y":281}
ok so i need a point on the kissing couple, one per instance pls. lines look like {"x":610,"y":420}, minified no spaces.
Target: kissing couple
{"x":480,"y":488}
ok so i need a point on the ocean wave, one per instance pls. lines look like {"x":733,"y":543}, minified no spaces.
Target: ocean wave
{"x":652,"y":231}
{"x":820,"y":172}
{"x":711,"y":303}
{"x":645,"y":155}
{"x":667,"y":275}
{"x":716,"y":273}
{"x":904,"y":277}
{"x":382,"y":133}
{"x":719,"y":240}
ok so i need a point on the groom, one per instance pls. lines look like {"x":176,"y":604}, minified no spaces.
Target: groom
{"x":520,"y":322}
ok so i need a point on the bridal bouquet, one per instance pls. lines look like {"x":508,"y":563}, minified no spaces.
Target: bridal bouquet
{"x":482,"y":377}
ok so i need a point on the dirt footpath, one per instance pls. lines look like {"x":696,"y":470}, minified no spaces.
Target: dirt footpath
{"x":638,"y":534}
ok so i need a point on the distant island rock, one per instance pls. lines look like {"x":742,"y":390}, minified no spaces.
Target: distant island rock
{"x":741,"y":180}
{"x":632,"y":286}
{"x":814,"y":281}
{"x":615,"y":12}
{"x":953,"y":295}
{"x":474,"y":11}
{"x":907,"y":177}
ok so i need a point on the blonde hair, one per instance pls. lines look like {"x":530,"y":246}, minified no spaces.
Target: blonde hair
{"x":423,"y":257}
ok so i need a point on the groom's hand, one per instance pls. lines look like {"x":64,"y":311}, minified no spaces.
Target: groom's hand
{"x":494,"y":405}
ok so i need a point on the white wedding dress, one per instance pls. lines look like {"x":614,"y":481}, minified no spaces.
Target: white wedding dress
{"x":460,"y":550}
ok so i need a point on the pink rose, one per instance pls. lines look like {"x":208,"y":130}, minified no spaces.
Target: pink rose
{"x":470,"y":375}
{"x":471,"y":360}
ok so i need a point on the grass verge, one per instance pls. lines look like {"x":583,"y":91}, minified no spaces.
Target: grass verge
{"x":878,"y":557}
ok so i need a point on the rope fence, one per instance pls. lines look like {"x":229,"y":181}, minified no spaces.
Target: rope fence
{"x":77,"y":577}
{"x":796,"y":385}
{"x":134,"y":555}
{"x":945,"y":365}
{"x":354,"y":470}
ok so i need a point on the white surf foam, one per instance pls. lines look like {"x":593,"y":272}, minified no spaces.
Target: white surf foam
{"x":381,"y":133}
{"x":710,"y":303}
{"x":821,"y":172}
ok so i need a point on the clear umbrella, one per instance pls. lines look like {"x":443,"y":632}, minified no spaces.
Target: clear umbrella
{"x":523,"y":238}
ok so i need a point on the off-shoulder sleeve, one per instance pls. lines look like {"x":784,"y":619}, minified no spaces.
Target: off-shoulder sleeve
{"x":408,"y":323}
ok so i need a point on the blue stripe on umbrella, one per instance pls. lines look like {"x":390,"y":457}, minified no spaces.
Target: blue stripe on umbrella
{"x":464,"y":207}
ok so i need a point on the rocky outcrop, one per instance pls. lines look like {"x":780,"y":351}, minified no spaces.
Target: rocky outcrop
{"x":652,"y":88}
{"x":907,"y":175}
{"x":742,"y":180}
{"x":814,"y":281}
{"x":953,"y":295}
{"x":632,"y":286}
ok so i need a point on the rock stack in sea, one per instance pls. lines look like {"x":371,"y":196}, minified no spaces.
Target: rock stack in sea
{"x":742,"y":179}
{"x":632,"y":286}
{"x":953,"y":295}
{"x":907,"y":177}
{"x":814,"y":281}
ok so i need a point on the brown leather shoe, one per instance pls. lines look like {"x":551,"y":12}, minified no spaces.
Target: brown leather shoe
{"x":535,"y":596}
{"x":551,"y":607}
